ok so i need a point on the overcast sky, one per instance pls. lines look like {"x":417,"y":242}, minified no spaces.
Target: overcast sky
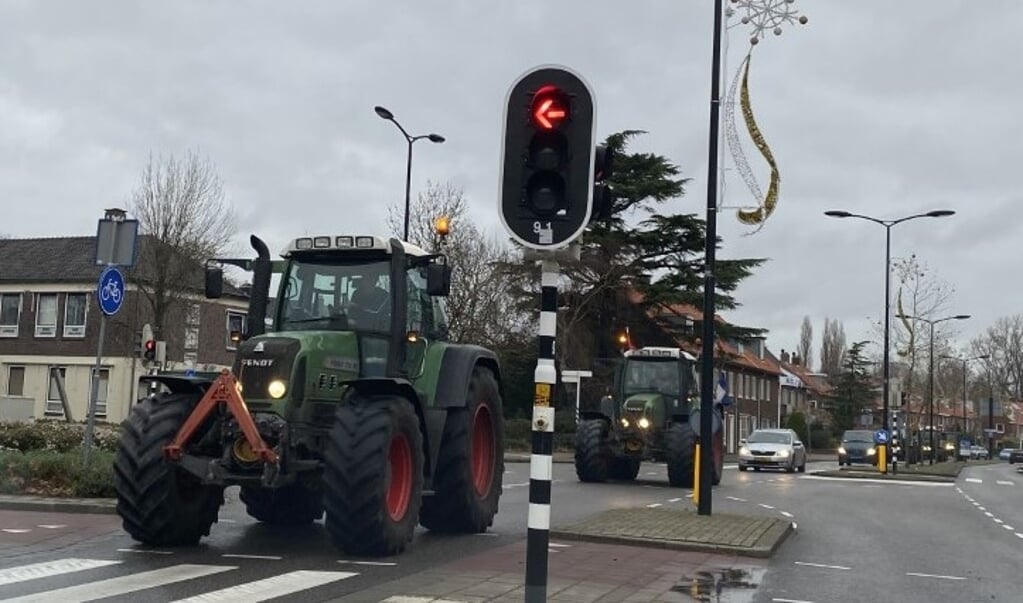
{"x":883,"y":108}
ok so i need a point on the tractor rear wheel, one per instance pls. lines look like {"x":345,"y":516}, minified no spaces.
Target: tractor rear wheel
{"x":470,"y":466}
{"x":592,"y":451}
{"x":373,"y":475}
{"x":624,"y":468}
{"x":160,"y":503}
{"x":680,"y":441}
{"x":293,"y":505}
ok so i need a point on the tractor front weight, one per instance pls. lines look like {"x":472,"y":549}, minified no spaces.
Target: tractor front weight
{"x":224,"y":390}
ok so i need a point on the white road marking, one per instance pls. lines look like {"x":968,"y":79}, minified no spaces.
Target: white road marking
{"x":736,"y":498}
{"x":776,"y":600}
{"x":226,"y":521}
{"x":989,"y":513}
{"x":861,"y":480}
{"x":651,"y":473}
{"x":404,"y":599}
{"x":653,"y":506}
{"x":795,"y":526}
{"x":787,"y":514}
{"x":808,"y":564}
{"x":516,"y":485}
{"x":980,"y":508}
{"x":974,"y":480}
{"x":123,"y":585}
{"x":486,"y":534}
{"x":559,"y":544}
{"x":55,"y":526}
{"x":674,"y":499}
{"x":1003,"y":482}
{"x":935,"y":576}
{"x":50,"y":568}
{"x":958,"y":490}
{"x":1019,"y":535}
{"x":996,"y":520}
{"x":380,"y":563}
{"x":148,"y":552}
{"x":17,"y":530}
{"x":241,"y":556}
{"x":765,"y":506}
{"x":269,"y":588}
{"x":1008,"y":527}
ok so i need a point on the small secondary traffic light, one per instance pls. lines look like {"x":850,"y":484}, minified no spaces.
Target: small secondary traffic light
{"x":149,"y":352}
{"x":547,"y":166}
{"x":603,"y":196}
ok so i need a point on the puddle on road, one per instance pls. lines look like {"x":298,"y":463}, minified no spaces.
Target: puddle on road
{"x":733,"y":585}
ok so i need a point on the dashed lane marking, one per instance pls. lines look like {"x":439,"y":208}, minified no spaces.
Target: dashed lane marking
{"x":653,"y":505}
{"x":939,"y":576}
{"x":17,"y":530}
{"x":765,"y":506}
{"x":777,"y":600}
{"x":674,"y":499}
{"x":786,"y":514}
{"x":145,"y":551}
{"x":377,"y":563}
{"x":735,"y":498}
{"x":242,"y":556}
{"x":54,"y":526}
{"x":1003,"y":482}
{"x":1008,"y":527}
{"x":974,"y":480}
{"x":822,"y":565}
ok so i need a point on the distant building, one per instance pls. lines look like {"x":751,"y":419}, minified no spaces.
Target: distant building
{"x":49,"y":326}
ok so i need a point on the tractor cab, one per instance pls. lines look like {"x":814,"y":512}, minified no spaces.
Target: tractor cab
{"x":655,"y":384}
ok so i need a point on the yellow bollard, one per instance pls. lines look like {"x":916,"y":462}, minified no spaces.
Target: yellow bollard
{"x":696,"y":476}
{"x":882,"y":458}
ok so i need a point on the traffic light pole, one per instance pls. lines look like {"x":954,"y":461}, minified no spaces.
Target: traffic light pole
{"x":541,"y":458}
{"x":707,"y":354}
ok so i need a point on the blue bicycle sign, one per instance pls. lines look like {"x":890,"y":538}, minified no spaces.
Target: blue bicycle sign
{"x":881,"y":437}
{"x":110,"y":291}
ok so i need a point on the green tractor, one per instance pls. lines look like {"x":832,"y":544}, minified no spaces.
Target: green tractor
{"x":653,"y":415}
{"x":352,"y":406}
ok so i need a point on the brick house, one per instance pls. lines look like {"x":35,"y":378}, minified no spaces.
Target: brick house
{"x":49,"y":325}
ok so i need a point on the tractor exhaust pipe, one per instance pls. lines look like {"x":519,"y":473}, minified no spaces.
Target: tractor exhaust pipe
{"x":261,"y":273}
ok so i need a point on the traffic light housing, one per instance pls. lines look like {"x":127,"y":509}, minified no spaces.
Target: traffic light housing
{"x":149,"y":350}
{"x":547,"y":166}
{"x":603,"y":196}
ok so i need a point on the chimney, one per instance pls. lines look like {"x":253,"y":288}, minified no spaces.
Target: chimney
{"x":785,"y":356}
{"x":795,"y":359}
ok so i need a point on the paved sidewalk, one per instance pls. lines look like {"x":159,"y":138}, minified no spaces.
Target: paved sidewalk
{"x":683,"y":529}
{"x":578,"y":572}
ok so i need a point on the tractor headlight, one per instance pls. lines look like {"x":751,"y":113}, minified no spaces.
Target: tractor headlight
{"x":644,"y":423}
{"x":276,"y":389}
{"x":625,"y":422}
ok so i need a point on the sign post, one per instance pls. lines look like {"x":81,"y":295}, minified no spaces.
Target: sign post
{"x":115,"y":245}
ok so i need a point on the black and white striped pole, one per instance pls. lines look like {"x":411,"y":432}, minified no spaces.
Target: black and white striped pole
{"x":547,"y":175}
{"x":541,"y":466}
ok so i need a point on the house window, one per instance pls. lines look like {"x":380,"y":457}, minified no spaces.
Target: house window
{"x":236,"y":325}
{"x":46,"y":315}
{"x":999,"y":428}
{"x":192,"y":315}
{"x":53,"y":404}
{"x":191,"y":338}
{"x":16,"y":381}
{"x":101,"y":393}
{"x":74,"y":314}
{"x":10,"y":312}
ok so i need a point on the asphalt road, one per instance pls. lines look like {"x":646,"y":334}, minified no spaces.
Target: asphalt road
{"x":90,"y":557}
{"x":921,"y":542}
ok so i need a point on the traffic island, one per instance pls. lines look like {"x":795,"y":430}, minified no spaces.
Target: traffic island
{"x":728,"y":533}
{"x":939,"y":472}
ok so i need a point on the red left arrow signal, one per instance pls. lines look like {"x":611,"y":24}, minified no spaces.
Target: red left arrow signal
{"x":548,"y":109}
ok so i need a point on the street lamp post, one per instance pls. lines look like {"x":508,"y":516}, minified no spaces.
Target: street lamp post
{"x":964,"y":361}
{"x":930,"y":377}
{"x":435,"y":138}
{"x":888,"y":224}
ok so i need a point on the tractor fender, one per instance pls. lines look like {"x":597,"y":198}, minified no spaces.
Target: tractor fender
{"x":401,"y":388}
{"x":456,"y":373}
{"x":178,"y":384}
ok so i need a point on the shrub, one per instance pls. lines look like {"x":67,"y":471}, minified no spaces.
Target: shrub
{"x":56,"y":436}
{"x":50,"y":473}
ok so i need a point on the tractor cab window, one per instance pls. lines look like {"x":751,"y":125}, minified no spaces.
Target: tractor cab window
{"x":662,"y":376}
{"x":321,"y":293}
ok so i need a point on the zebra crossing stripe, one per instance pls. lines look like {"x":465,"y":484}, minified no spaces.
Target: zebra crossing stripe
{"x":278,"y":586}
{"x":50,"y":568}
{"x":122,"y":585}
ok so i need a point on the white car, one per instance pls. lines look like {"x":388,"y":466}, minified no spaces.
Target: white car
{"x":772,"y":448}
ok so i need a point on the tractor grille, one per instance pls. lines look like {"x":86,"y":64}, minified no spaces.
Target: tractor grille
{"x":264,"y":360}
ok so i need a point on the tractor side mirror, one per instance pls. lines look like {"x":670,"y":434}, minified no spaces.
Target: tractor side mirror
{"x":214,"y":281}
{"x":438,"y":280}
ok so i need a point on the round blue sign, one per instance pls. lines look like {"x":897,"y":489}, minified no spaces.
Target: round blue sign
{"x":110,"y":291}
{"x":880,"y":436}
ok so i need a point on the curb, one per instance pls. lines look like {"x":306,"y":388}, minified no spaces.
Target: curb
{"x":897,"y":477}
{"x":18,"y":503}
{"x":774,"y":537}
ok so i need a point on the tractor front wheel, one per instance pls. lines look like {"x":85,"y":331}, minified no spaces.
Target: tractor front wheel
{"x":470,"y":466}
{"x":373,"y":475}
{"x":293,"y":505}
{"x":160,"y":503}
{"x":592,"y":451}
{"x":680,"y":441}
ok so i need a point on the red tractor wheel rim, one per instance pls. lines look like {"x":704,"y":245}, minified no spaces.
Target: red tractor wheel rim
{"x":399,"y":489}
{"x":482,"y":460}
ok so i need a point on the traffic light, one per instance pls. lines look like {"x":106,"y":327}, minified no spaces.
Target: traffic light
{"x":547,"y":168}
{"x":603,"y":196}
{"x":149,"y":352}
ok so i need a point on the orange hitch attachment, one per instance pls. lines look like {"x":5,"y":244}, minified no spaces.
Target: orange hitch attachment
{"x":223,"y":391}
